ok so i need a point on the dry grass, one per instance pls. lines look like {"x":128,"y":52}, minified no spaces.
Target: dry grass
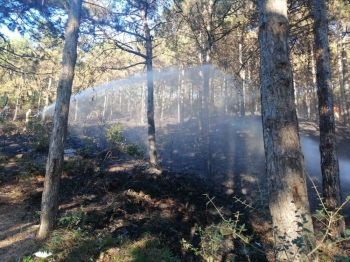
{"x":16,"y":234}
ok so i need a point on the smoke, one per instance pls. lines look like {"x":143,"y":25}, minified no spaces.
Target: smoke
{"x":236,"y":143}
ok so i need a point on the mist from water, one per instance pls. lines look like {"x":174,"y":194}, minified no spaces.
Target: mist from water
{"x":236,"y":143}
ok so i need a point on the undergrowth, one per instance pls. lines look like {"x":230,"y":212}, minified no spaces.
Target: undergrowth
{"x":212,"y":237}
{"x":79,"y":245}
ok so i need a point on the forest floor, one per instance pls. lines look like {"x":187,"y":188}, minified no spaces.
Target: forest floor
{"x":112,"y":208}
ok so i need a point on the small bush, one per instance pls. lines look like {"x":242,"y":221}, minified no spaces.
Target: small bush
{"x":40,"y":134}
{"x":35,"y":169}
{"x":6,"y":128}
{"x":115,"y":135}
{"x":89,"y":148}
{"x":134,"y":150}
{"x":73,"y":219}
{"x":213,"y":236}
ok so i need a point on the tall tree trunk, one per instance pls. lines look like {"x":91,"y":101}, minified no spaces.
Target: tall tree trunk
{"x":285,"y":167}
{"x":76,"y":109}
{"x":205,"y":119}
{"x":341,"y":84}
{"x":54,"y":164}
{"x":329,"y":159}
{"x":46,"y":99}
{"x":242,"y":76}
{"x":224,"y":95}
{"x":143,"y":107}
{"x":6,"y":99}
{"x":105,"y":104}
{"x":205,"y":94}
{"x":180,"y":97}
{"x":18,"y":97}
{"x":39,"y":99}
{"x":190,"y":98}
{"x":346,"y":91}
{"x":314,"y":86}
{"x":17,"y":104}
{"x":153,"y":163}
{"x":162,"y":104}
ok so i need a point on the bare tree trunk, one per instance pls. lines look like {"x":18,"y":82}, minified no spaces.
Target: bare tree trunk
{"x":153,"y":163}
{"x":105,"y":103}
{"x":314,"y":111}
{"x":76,"y":110}
{"x":205,"y":119}
{"x":143,"y":106}
{"x":162,"y":105}
{"x":180,"y":97}
{"x":120,"y":100}
{"x":39,"y":99}
{"x":288,"y":199}
{"x":17,"y":104}
{"x":329,"y":158}
{"x":190,"y":98}
{"x":341,"y":83}
{"x":205,"y":95}
{"x":54,"y":164}
{"x":346,"y":91}
{"x":46,"y":100}
{"x":242,"y":76}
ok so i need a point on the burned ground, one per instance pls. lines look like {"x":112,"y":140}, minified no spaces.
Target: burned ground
{"x":110,"y":193}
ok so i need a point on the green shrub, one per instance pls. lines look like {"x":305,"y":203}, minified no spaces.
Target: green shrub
{"x":212,"y":237}
{"x":36,"y":169}
{"x":89,"y":148}
{"x":115,"y":135}
{"x":73,"y":218}
{"x":6,"y":128}
{"x":134,"y":150}
{"x":40,"y":141}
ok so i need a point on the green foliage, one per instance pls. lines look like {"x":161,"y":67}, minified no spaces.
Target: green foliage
{"x":82,"y":245}
{"x":145,"y":250}
{"x":89,"y":148}
{"x":6,"y":128}
{"x":327,"y":249}
{"x":73,"y":219}
{"x":115,"y":135}
{"x":27,"y":259}
{"x":36,"y":169}
{"x":212,"y":237}
{"x":40,"y":133}
{"x":83,"y":166}
{"x":116,"y":138}
{"x":134,"y":150}
{"x":329,"y":219}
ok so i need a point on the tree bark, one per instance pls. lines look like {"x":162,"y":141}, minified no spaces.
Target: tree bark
{"x":329,"y":158}
{"x":143,"y":107}
{"x":346,"y":91}
{"x":17,"y":104}
{"x":54,"y":164}
{"x":153,"y":163}
{"x":180,"y":96}
{"x":341,"y":83}
{"x":285,"y":167}
{"x":242,"y":78}
{"x":205,"y":94}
